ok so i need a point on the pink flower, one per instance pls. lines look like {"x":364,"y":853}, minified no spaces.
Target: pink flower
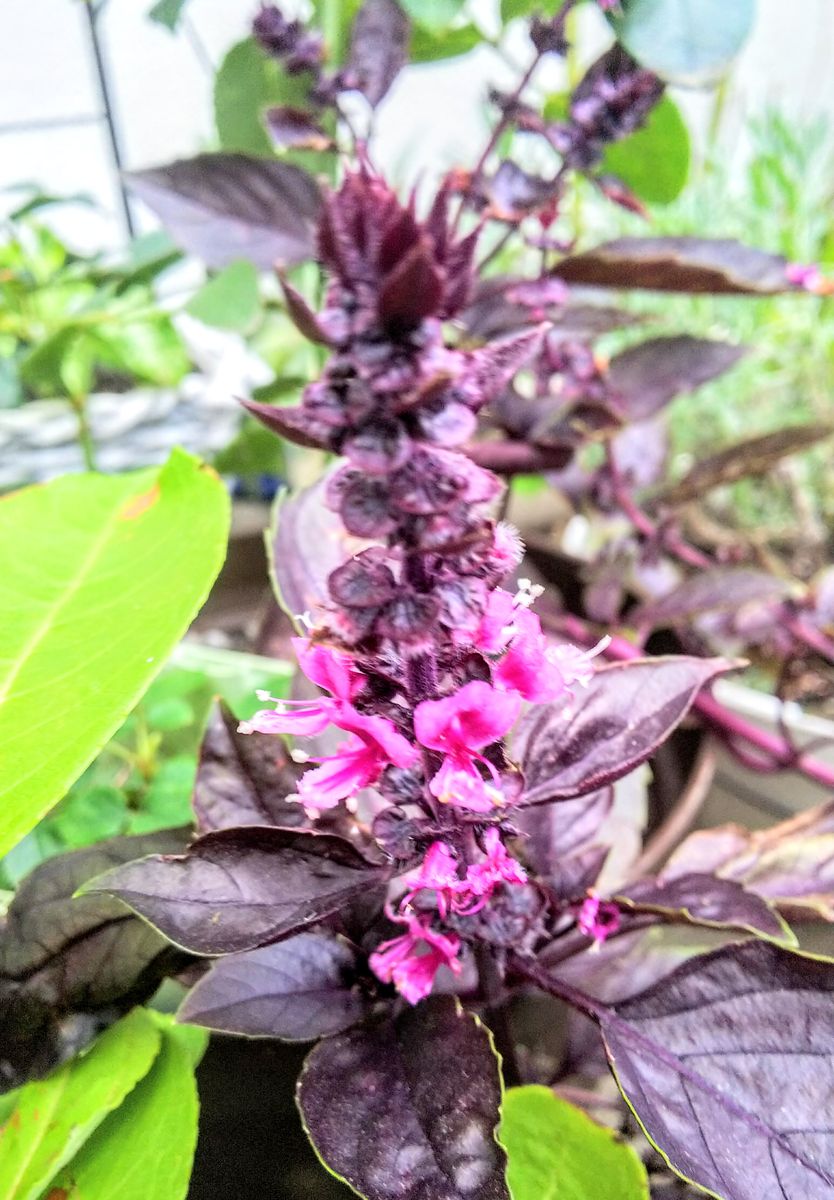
{"x":498,"y":867}
{"x":468,"y":895}
{"x":809,"y":277}
{"x":496,"y":626}
{"x":507,"y":547}
{"x":540,"y":672}
{"x":439,"y":873}
{"x":411,"y":962}
{"x":331,"y":670}
{"x":358,"y":762}
{"x":598,"y":919}
{"x":459,"y":726}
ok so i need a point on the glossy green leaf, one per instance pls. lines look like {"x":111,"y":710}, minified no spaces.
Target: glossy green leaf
{"x":433,"y":14}
{"x":145,"y":1149}
{"x":684,"y":41}
{"x":229,"y":300}
{"x":654,"y":161}
{"x":556,"y":1152}
{"x":429,"y":46}
{"x":101,"y":577}
{"x":54,"y":1117}
{"x":247,"y":83}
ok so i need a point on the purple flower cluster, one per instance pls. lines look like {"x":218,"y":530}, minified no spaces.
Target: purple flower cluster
{"x":425,"y":661}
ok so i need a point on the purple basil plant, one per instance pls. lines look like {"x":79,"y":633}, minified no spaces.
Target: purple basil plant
{"x":397,"y":861}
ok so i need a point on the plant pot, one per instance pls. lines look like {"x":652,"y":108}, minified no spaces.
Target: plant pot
{"x":39,"y":440}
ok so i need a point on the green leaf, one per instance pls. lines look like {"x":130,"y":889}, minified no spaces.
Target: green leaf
{"x":429,"y":46}
{"x":167,"y":13}
{"x":229,"y":300}
{"x":433,"y":14}
{"x":102,"y":576}
{"x":556,"y":1152}
{"x":685,"y":41}
{"x":654,"y":161}
{"x":247,"y":83}
{"x":54,"y":1117}
{"x":145,"y":1149}
{"x":510,"y":9}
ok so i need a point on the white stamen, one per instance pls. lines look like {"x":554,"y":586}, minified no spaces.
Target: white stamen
{"x":246,"y":727}
{"x":299,"y":756}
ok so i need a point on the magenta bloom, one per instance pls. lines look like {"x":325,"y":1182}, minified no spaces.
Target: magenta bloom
{"x":499,"y":867}
{"x":598,"y":919}
{"x":411,"y":961}
{"x":331,"y":670}
{"x":358,"y":762}
{"x":497,"y":624}
{"x":538,"y":671}
{"x":460,"y":726}
{"x":439,"y":873}
{"x":805,"y":275}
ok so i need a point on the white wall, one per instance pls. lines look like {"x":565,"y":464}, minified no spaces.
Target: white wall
{"x":162,"y":92}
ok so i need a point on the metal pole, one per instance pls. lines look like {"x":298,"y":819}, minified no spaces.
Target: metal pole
{"x":107,"y":103}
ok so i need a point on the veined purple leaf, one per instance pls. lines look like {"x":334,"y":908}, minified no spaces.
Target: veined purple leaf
{"x":236,"y":889}
{"x":297,"y":990}
{"x":302,"y":316}
{"x":719,"y":590}
{"x":300,"y":520}
{"x":223,"y":207}
{"x":727,"y":1065}
{"x":745,"y":459}
{"x":678,"y":264}
{"x":641,"y":452}
{"x":243,"y":779}
{"x":492,"y":367}
{"x":791,"y":865}
{"x":609,"y":727}
{"x":69,"y":967}
{"x":292,"y":422}
{"x":647,"y":376}
{"x":378,"y":47}
{"x":706,"y":900}
{"x":408,"y":1108}
{"x":559,"y":842}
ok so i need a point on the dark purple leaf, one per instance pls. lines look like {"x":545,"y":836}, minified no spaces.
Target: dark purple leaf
{"x":243,"y":779}
{"x":303,"y":317}
{"x":303,"y":519}
{"x":365,"y":508}
{"x":753,"y":456}
{"x":492,"y":367}
{"x":380,"y":446}
{"x":364,"y":581}
{"x":296,"y":129}
{"x":727,"y":1065}
{"x":791,"y":865}
{"x":71,"y":966}
{"x":295,"y":423}
{"x":236,"y":889}
{"x":678,"y":264}
{"x":560,"y":841}
{"x":407,"y":1108}
{"x":378,"y":47}
{"x":706,"y":900}
{"x":722,"y":589}
{"x":412,"y":291}
{"x":610,"y":727}
{"x":297,"y":990}
{"x":222,"y":207}
{"x":647,"y":376}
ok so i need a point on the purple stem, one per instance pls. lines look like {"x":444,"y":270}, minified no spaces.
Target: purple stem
{"x":721,"y":719}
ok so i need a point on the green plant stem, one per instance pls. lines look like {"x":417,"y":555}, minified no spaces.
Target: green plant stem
{"x":85,"y":433}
